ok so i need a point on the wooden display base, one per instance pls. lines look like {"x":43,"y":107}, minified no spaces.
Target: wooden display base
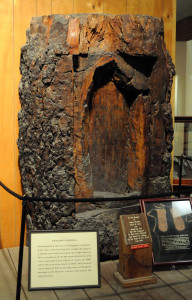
{"x":135,"y":251}
{"x":133,"y":282}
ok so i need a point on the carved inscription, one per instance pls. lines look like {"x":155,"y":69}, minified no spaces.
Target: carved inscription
{"x":135,"y":247}
{"x":136,"y":233}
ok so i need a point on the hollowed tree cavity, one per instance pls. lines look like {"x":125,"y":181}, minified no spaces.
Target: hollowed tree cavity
{"x":95,"y":118}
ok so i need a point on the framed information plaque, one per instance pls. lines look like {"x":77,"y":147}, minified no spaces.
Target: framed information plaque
{"x":170,"y":223}
{"x":63,"y":259}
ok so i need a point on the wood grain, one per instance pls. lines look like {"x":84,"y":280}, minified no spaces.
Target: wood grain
{"x":62,"y":7}
{"x":14,"y":252}
{"x":108,"y":268}
{"x":177,"y":281}
{"x":146,"y":7}
{"x":8,"y":277}
{"x":173,"y":285}
{"x":134,"y":263}
{"x":112,"y":116}
{"x":7,"y":146}
{"x":43,"y":7}
{"x":133,"y":6}
{"x":114,"y":7}
{"x":77,"y":294}
{"x":169,"y":17}
{"x":161,"y":289}
{"x":104,"y":292}
{"x":187,"y":272}
{"x":90,"y":6}
{"x":157,"y":8}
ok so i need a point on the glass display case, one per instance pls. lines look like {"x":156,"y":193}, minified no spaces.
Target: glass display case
{"x":183,"y":151}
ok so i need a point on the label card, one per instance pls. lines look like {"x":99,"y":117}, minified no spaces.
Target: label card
{"x":63,"y":259}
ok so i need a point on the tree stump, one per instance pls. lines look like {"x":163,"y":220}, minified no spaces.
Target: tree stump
{"x":95,"y":118}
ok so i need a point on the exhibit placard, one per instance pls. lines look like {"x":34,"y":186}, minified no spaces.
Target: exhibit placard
{"x":138,"y":234}
{"x":170,"y":222}
{"x":63,"y":259}
{"x":135,"y":251}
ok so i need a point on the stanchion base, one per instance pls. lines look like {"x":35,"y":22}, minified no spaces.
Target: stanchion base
{"x":133,"y":282}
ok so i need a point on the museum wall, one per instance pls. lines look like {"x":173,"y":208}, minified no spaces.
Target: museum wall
{"x":188,"y":104}
{"x":183,"y":90}
{"x":15,"y":19}
{"x":183,"y":78}
{"x":180,"y":80}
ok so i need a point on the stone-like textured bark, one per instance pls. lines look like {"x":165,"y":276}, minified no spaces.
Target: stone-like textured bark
{"x":95,"y":117}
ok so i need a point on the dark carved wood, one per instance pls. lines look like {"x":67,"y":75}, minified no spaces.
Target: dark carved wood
{"x":95,"y":115}
{"x":135,"y":251}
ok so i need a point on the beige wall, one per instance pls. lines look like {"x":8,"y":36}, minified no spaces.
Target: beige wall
{"x":15,"y":18}
{"x":180,"y":78}
{"x":183,"y":95}
{"x":188,"y":88}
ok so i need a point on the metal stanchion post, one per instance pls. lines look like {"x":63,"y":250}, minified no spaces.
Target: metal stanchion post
{"x":20,"y":262}
{"x":180,"y":174}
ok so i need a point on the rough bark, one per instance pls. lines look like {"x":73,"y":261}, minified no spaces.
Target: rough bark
{"x":95,"y":117}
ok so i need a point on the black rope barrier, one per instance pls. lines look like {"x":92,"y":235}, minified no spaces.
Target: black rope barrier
{"x":124,"y":198}
{"x":26,"y":198}
{"x":11,"y":192}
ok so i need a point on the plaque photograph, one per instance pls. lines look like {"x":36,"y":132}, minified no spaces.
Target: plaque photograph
{"x":170,"y":223}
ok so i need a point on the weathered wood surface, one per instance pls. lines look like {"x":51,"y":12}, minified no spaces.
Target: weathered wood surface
{"x":95,"y":117}
{"x":132,"y":293}
{"x":8,"y":277}
{"x":177,"y":281}
{"x":14,"y":253}
{"x":134,"y":263}
{"x":22,"y":12}
{"x":171,"y":284}
{"x":95,"y":106}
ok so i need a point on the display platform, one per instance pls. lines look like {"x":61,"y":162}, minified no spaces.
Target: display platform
{"x":171,"y":284}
